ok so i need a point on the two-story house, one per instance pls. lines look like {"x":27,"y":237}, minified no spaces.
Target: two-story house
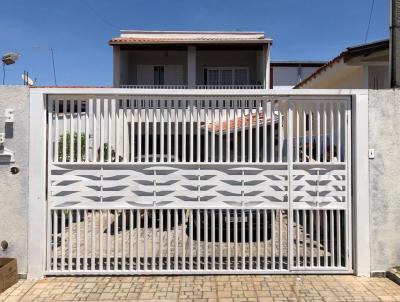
{"x":183,"y":59}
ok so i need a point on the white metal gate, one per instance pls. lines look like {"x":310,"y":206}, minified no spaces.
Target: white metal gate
{"x":198,"y":184}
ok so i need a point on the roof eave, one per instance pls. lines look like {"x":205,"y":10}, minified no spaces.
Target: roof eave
{"x":243,"y":42}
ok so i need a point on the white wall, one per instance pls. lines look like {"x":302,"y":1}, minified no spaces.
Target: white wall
{"x":384,"y":138}
{"x":14,"y":188}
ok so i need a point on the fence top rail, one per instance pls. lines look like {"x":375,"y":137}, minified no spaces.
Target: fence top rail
{"x":121,"y":92}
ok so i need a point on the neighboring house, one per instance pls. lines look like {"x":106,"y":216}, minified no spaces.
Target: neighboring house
{"x":287,"y":74}
{"x":364,"y":66}
{"x":179,"y":59}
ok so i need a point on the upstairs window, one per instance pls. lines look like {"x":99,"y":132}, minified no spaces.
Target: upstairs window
{"x":226,"y":76}
{"x":158,"y":75}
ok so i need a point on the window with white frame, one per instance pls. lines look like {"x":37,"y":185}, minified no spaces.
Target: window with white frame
{"x":226,"y":76}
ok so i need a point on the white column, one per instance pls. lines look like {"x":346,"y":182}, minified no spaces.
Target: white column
{"x":37,"y":186}
{"x":191,"y":66}
{"x":361,"y":188}
{"x":266,"y":65}
{"x":116,"y":66}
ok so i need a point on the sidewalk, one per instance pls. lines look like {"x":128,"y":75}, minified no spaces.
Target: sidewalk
{"x":205,"y":288}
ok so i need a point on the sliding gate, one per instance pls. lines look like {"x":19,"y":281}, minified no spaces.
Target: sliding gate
{"x":199,"y":184}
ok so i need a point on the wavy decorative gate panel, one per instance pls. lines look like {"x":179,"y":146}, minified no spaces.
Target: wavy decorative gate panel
{"x":198,"y":184}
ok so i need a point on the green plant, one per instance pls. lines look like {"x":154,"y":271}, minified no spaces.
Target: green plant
{"x":83,"y":148}
{"x":68,"y":147}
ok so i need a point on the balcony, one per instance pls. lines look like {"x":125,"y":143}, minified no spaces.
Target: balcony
{"x":199,"y":87}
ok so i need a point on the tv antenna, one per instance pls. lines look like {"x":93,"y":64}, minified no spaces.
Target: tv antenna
{"x":51,"y":50}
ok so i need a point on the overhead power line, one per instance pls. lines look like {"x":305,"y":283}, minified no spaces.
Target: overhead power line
{"x":369,"y":20}
{"x":103,"y":19}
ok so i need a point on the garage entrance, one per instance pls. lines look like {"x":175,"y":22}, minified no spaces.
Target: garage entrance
{"x":198,"y":185}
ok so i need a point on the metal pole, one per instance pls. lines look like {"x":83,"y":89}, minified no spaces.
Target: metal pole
{"x":4,"y":73}
{"x":394,"y":48}
{"x":54,"y":67}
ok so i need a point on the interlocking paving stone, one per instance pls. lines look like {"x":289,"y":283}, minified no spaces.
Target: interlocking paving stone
{"x":205,"y":288}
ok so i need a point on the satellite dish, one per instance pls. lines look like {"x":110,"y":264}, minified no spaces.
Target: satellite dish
{"x":27,"y":79}
{"x":10,"y":58}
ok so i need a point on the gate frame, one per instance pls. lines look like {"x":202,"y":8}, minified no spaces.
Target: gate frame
{"x":37,"y":201}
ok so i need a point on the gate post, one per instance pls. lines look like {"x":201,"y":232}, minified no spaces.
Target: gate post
{"x":361,"y":233}
{"x":37,"y":185}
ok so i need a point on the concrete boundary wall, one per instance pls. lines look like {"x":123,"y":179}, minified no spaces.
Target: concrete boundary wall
{"x":14,"y":187}
{"x":384,"y":178}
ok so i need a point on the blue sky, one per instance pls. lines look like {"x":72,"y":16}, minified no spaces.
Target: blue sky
{"x":79,"y":31}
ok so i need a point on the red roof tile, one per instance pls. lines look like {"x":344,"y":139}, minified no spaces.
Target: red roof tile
{"x":239,"y":123}
{"x":145,"y":40}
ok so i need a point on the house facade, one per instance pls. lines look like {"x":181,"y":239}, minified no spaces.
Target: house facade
{"x":191,"y":59}
{"x":363,"y":66}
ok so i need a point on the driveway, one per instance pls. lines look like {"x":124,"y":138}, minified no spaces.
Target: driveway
{"x":205,"y":288}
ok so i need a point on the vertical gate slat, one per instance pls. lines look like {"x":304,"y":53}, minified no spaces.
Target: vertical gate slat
{"x":183,"y":239}
{"x":145,"y":236}
{"x":123,"y":238}
{"x":64,"y":143}
{"x":176,"y":248}
{"x":243,"y":239}
{"x":257,"y":138}
{"x":79,"y":134}
{"x":146,"y":131}
{"x":71,"y":131}
{"x":162,"y":121}
{"x":85,"y":240}
{"x":100,"y":110}
{"x":153,"y":239}
{"x":133,"y":142}
{"x":138,"y":240}
{"x":70,"y":226}
{"x":100,"y":240}
{"x":116,"y":240}
{"x":139,"y":131}
{"x":198,"y":248}
{"x":131,"y":240}
{"x":206,"y":240}
{"x":62,"y":240}
{"x":78,"y":240}
{"x":108,"y":244}
{"x":250,"y":132}
{"x":235,"y":134}
{"x":220,"y":132}
{"x":272,"y":138}
{"x":228,"y":239}
{"x":198,"y":135}
{"x":55,"y":240}
{"x":161,"y":249}
{"x":57,"y":133}
{"x":94,"y":133}
{"x":93,"y":253}
{"x":191,"y":240}
{"x":168,"y":241}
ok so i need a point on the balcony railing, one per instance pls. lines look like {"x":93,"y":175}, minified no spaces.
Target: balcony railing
{"x":196,"y":87}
